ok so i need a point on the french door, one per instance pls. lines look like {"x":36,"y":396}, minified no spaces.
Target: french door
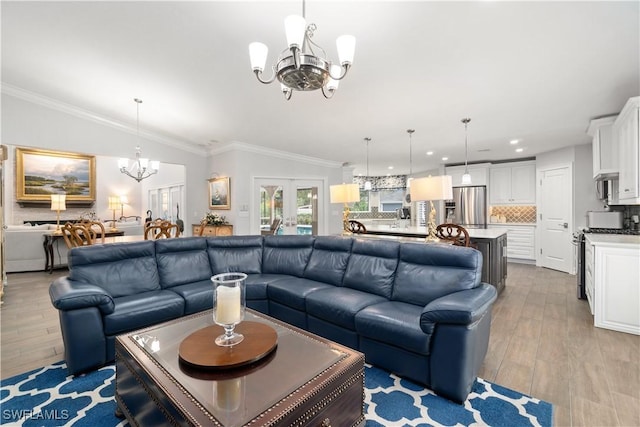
{"x":288,"y":206}
{"x":165,"y":202}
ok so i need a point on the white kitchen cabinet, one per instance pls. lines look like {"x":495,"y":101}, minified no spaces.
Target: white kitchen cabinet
{"x":513,"y":183}
{"x":521,"y":241}
{"x":604,"y":147}
{"x":478,"y":172}
{"x":612,"y":282}
{"x":626,"y":131}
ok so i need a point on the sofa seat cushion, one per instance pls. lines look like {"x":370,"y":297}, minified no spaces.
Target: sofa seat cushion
{"x":197,"y":296}
{"x":339,"y":305}
{"x":143,"y":309}
{"x":293,"y":291}
{"x":395,"y":323}
{"x":257,"y":284}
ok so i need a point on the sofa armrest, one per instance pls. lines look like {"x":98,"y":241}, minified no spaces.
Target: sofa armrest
{"x":69,"y":294}
{"x":460,"y":308}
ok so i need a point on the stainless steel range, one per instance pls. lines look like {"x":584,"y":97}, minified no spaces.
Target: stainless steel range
{"x":578,"y":240}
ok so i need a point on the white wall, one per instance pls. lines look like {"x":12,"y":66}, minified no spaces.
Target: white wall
{"x":34,"y":125}
{"x":243,"y":163}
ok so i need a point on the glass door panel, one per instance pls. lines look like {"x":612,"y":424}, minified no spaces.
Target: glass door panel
{"x":288,"y":206}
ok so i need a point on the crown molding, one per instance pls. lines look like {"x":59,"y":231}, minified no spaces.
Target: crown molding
{"x":241,"y":146}
{"x":54,"y":104}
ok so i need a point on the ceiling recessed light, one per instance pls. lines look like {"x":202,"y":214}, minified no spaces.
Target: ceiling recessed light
{"x":429,"y":153}
{"x":519,"y":150}
{"x":390,"y":167}
{"x":514,"y":141}
{"x":444,"y":159}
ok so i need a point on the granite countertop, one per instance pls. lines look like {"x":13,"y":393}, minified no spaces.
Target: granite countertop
{"x":613,"y":239}
{"x":413,"y":231}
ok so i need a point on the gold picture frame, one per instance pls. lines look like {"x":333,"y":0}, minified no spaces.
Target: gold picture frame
{"x":219,"y":193}
{"x":41,"y":173}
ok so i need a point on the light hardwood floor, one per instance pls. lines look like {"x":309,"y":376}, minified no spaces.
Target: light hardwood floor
{"x":543,"y":343}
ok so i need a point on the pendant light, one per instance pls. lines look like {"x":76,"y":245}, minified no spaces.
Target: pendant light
{"x":409,"y":178}
{"x":466,"y":178}
{"x":367,"y":183}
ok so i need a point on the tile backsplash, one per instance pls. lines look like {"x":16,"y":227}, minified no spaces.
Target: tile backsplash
{"x":514,"y":213}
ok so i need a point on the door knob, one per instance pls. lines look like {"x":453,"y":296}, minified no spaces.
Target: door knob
{"x":565,"y":225}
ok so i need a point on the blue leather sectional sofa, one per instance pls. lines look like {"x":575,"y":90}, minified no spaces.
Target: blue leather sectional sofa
{"x":414,"y":309}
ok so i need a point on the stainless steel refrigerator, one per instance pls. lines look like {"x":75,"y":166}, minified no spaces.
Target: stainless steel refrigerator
{"x":469,"y":206}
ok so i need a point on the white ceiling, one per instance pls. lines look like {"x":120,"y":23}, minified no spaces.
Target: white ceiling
{"x":536,"y":71}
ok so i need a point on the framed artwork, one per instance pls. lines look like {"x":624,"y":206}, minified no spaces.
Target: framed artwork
{"x":41,"y":173}
{"x":219,"y":194}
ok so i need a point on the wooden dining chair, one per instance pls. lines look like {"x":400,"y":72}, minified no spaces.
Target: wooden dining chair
{"x":77,"y":235}
{"x":97,"y":227}
{"x":161,"y":230}
{"x":203,"y":224}
{"x":454,"y":233}
{"x":356,"y":227}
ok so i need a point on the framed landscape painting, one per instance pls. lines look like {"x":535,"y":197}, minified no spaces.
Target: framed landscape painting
{"x":41,"y":173}
{"x":219,"y":194}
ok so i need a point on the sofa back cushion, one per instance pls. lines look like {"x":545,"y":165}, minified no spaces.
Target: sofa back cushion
{"x":119,"y":268}
{"x":372,"y":266}
{"x":286,"y":254}
{"x":426,"y":272}
{"x":182,"y":261}
{"x":329,"y":259}
{"x":235,"y":254}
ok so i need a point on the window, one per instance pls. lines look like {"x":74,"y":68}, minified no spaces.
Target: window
{"x":390,"y":200}
{"x":363,"y":204}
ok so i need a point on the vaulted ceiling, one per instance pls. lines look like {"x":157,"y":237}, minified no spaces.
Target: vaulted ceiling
{"x":533,"y":71}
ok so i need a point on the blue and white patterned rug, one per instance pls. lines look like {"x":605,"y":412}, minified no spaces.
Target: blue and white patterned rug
{"x":48,"y":397}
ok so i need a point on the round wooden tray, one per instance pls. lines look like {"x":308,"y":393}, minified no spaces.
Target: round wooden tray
{"x":200,"y":350}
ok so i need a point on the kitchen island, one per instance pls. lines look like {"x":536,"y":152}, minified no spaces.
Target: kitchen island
{"x":492,"y":242}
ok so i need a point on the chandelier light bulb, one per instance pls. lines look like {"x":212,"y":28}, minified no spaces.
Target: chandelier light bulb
{"x":294,"y":27}
{"x":346,"y":45}
{"x":258,"y":55}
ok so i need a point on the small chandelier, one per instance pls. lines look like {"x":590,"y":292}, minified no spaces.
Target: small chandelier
{"x":466,"y":178}
{"x":409,"y":178}
{"x":141,"y":168}
{"x":367,"y":183}
{"x":299,"y":67}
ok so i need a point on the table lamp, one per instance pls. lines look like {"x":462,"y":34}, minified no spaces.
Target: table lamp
{"x":114,"y":204}
{"x":430,"y":189}
{"x":58,"y":204}
{"x":345,"y":193}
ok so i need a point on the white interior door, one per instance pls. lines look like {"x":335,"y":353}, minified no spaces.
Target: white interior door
{"x":555,"y":213}
{"x":294,"y":203}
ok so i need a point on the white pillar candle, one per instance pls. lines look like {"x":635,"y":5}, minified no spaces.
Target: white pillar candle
{"x":228,"y":305}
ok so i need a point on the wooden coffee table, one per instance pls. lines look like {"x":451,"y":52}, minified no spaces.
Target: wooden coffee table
{"x":306,"y":381}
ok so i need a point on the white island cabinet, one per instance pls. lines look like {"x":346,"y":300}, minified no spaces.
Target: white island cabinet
{"x":612,"y":279}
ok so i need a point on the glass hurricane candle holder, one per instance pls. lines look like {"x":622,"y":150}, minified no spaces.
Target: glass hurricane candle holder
{"x":228,"y":306}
